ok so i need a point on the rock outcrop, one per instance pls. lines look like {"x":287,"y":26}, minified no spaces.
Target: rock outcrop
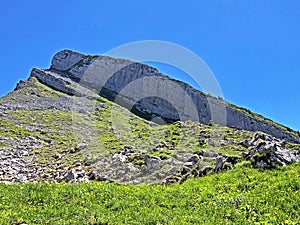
{"x":269,"y":152}
{"x":148,"y":93}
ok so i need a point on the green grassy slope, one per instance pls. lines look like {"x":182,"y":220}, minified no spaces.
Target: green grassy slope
{"x":240,"y":196}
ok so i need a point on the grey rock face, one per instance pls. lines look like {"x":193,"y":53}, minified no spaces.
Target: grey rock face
{"x":152,"y":161}
{"x":269,"y":152}
{"x":17,"y":164}
{"x":148,"y":93}
{"x":14,"y":163}
{"x":64,"y":60}
{"x":220,"y":160}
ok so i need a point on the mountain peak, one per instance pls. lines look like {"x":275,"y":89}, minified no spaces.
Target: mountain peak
{"x":85,"y":118}
{"x":65,"y":59}
{"x":149,"y":93}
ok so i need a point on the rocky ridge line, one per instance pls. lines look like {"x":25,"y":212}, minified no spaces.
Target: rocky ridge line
{"x":73,"y":73}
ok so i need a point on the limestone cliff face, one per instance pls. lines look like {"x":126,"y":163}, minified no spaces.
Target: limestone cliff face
{"x":148,"y":93}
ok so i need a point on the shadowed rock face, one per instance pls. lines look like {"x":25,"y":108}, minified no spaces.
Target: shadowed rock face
{"x":148,"y":93}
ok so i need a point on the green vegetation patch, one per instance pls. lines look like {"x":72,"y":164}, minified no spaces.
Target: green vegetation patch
{"x":240,"y":196}
{"x":53,"y":128}
{"x":44,"y":90}
{"x":2,"y":145}
{"x":9,"y":129}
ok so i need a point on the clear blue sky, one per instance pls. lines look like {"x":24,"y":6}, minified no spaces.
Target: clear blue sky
{"x":253,"y":47}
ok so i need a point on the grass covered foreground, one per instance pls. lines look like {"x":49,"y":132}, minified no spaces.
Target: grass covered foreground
{"x":240,"y":196}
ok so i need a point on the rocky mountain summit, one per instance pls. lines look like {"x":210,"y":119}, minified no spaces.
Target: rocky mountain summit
{"x":107,"y":119}
{"x":148,"y":97}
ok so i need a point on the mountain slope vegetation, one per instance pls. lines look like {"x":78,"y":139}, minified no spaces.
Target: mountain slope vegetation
{"x":67,"y":158}
{"x":241,"y":196}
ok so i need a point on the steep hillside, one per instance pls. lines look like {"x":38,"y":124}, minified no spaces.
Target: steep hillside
{"x":56,"y":127}
{"x":43,"y":137}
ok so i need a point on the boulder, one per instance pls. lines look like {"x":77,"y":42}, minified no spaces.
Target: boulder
{"x":269,"y":152}
{"x":152,"y":162}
